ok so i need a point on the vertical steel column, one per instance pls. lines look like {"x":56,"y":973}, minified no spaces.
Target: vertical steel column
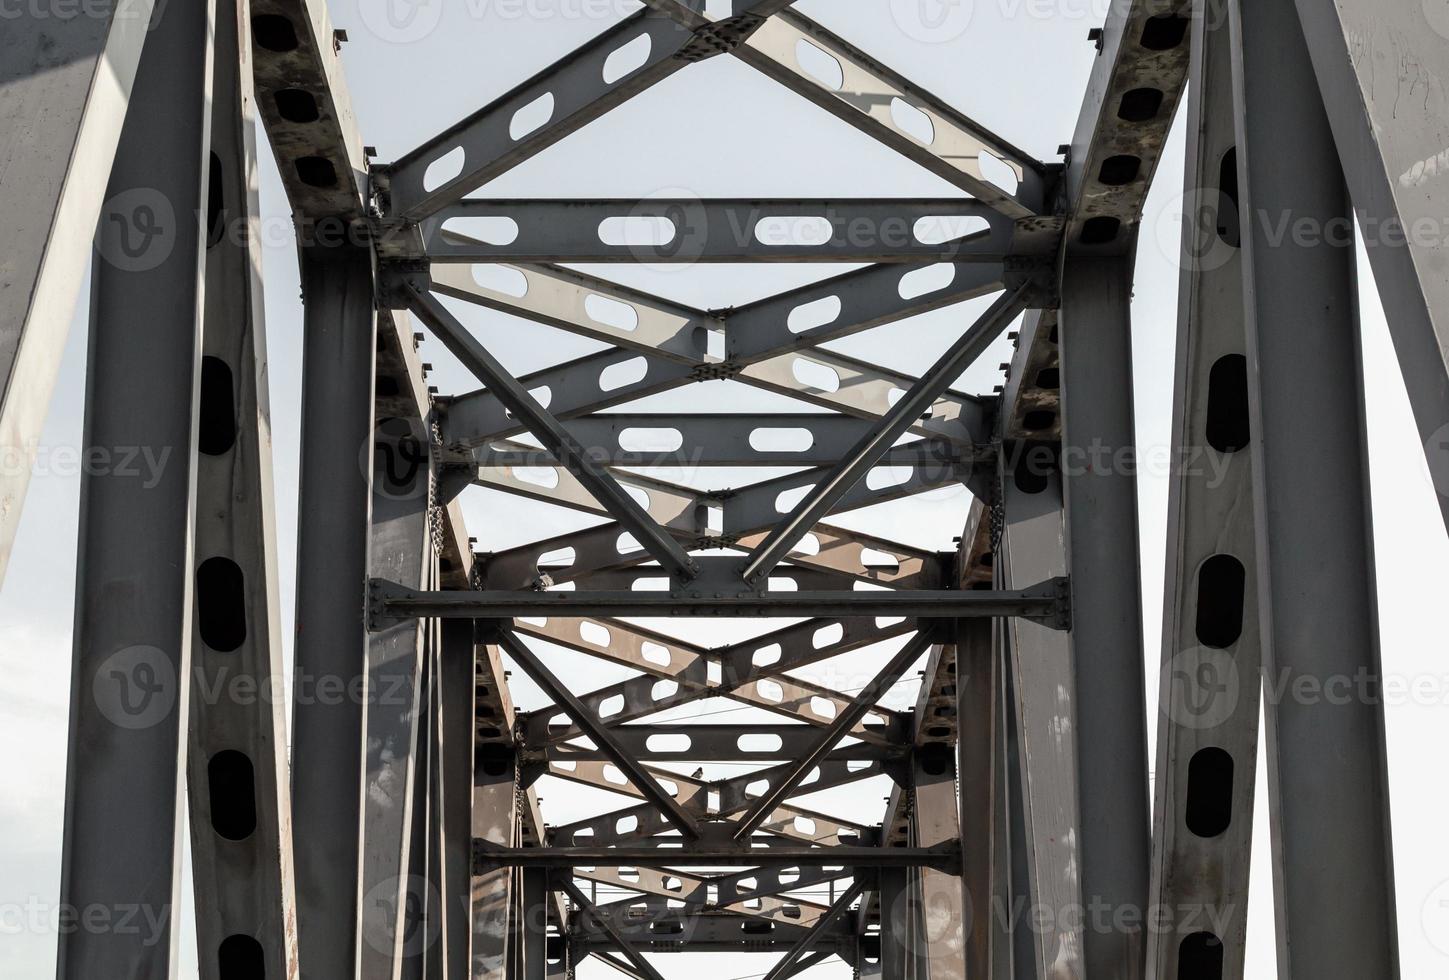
{"x":1099,"y":483}
{"x":535,"y":924}
{"x":1211,"y":664}
{"x":457,"y":672}
{"x":495,"y":819}
{"x":1328,"y":780}
{"x":980,"y":760}
{"x":130,"y":678}
{"x":241,"y":844}
{"x":401,"y":550}
{"x":940,"y":919}
{"x":1044,"y":685}
{"x":895,"y":911}
{"x":64,"y":85}
{"x":339,"y":352}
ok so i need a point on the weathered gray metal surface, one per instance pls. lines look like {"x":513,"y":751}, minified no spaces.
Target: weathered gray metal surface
{"x":1099,"y":480}
{"x":1317,"y":603}
{"x":64,"y":86}
{"x":130,"y":679}
{"x":1211,"y":661}
{"x":241,"y":813}
{"x":335,"y":508}
{"x":1382,"y":68}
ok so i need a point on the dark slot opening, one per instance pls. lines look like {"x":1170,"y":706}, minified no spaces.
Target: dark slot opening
{"x":1228,"y":429}
{"x":1140,"y":105}
{"x":1200,"y":957}
{"x":1220,"y":585}
{"x":241,"y":958}
{"x":274,"y":32}
{"x":1209,"y":792}
{"x":232,"y":791}
{"x":297,"y":105}
{"x":216,"y":421}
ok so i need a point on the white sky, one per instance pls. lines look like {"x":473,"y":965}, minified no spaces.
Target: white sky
{"x":719,"y":129}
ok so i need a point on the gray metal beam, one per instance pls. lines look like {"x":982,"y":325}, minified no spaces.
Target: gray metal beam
{"x":644,"y":967}
{"x":864,"y":93}
{"x":625,"y":439}
{"x":783,"y":787}
{"x":566,"y":96}
{"x":335,"y":508}
{"x":1042,"y":604}
{"x":1211,"y":659}
{"x":1328,"y":776}
{"x":643,"y":781}
{"x":394,"y":759}
{"x":712,"y":855}
{"x":834,"y":485}
{"x":131,"y":671}
{"x":457,"y":691}
{"x":940,"y":914}
{"x":496,"y":821}
{"x":1034,"y":543}
{"x":692,"y":230}
{"x":807,"y":942}
{"x":1392,"y":141}
{"x":64,"y":86}
{"x":1099,"y":479}
{"x":241,"y":814}
{"x":1121,"y":132}
{"x":303,"y":99}
{"x":558,"y":440}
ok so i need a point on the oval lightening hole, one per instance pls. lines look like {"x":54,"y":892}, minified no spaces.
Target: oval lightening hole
{"x":938,"y":229}
{"x":1200,"y":957}
{"x":625,"y":373}
{"x":216,"y":420}
{"x":1101,"y":230}
{"x":912,"y":121}
{"x":931,"y":279}
{"x":1119,"y":170}
{"x":999,"y":172}
{"x":815,"y":376}
{"x":531,"y":117}
{"x":221,"y":604}
{"x":274,"y":32}
{"x":820,"y":65}
{"x":241,"y":957}
{"x":316,"y":171}
{"x":494,"y":229}
{"x":638,"y":440}
{"x":808,"y":230}
{"x":1230,"y":222}
{"x":1209,"y":809}
{"x":232,"y":793}
{"x":1227,"y":413}
{"x":297,"y":105}
{"x":215,"y":203}
{"x":501,"y":279}
{"x":637,"y":231}
{"x":627,"y":58}
{"x":1140,"y":105}
{"x":1165,"y":32}
{"x":611,"y":312}
{"x":445,"y":169}
{"x":781,"y":440}
{"x":1033,"y":470}
{"x":1221,"y":584}
{"x":810,"y":316}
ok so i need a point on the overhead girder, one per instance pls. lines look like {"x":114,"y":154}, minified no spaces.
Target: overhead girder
{"x":695,"y":230}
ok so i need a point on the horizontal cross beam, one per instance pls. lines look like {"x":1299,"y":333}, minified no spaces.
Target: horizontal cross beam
{"x":691,"y":230}
{"x":487,"y":856}
{"x":1046,"y":603}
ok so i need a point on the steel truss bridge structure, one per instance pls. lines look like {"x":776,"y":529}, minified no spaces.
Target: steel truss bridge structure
{"x":403,"y":836}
